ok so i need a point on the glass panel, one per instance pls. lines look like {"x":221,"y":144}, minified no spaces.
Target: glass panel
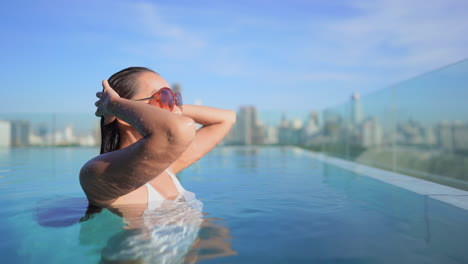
{"x":374,"y":117}
{"x":418,"y":127}
{"x":432,"y":126}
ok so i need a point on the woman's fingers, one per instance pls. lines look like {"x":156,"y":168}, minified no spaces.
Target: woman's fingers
{"x":104,"y":97}
{"x":105,"y":85}
{"x":108,"y":90}
{"x":98,"y":111}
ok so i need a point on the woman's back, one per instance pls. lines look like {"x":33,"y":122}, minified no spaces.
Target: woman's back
{"x":146,"y":135}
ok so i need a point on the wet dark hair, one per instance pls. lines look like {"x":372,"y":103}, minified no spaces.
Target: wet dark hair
{"x":125,"y":84}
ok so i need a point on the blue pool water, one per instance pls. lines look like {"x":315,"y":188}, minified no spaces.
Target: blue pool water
{"x":254,"y":205}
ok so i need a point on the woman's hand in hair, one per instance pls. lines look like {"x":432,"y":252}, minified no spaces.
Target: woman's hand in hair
{"x":104,"y":102}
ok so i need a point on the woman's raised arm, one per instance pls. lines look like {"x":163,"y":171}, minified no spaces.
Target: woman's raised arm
{"x":216,"y":124}
{"x":166,"y":136}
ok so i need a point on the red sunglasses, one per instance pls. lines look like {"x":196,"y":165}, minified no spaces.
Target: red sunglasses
{"x":165,"y":98}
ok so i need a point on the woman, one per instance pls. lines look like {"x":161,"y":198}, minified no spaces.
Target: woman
{"x":148,"y":136}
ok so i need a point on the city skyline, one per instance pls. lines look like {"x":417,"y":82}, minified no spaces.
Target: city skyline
{"x":310,"y":128}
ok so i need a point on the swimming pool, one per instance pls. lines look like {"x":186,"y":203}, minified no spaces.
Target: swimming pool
{"x":260,"y":205}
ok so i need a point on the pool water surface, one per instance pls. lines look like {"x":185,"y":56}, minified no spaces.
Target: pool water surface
{"x":252,"y":205}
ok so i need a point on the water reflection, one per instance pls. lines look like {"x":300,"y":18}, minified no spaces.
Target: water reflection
{"x":247,"y":157}
{"x":174,"y":232}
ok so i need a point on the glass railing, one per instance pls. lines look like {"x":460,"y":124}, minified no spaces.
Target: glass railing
{"x":418,"y":127}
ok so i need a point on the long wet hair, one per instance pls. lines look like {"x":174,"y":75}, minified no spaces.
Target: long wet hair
{"x":125,"y":85}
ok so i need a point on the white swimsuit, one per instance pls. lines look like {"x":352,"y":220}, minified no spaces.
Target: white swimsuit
{"x":155,"y":198}
{"x":168,"y":231}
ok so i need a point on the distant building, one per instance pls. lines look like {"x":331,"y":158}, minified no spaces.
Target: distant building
{"x":311,"y":128}
{"x":372,"y":133}
{"x":283,"y":131}
{"x":356,"y":109}
{"x":248,"y":129}
{"x":460,"y":136}
{"x":20,"y":131}
{"x":452,"y":136}
{"x":411,"y":132}
{"x":68,"y":134}
{"x":5,"y":133}
{"x":96,"y":133}
{"x":87,"y":140}
{"x":445,"y":136}
{"x":41,"y":133}
{"x":333,"y":126}
{"x":271,"y":135}
{"x":258,"y":133}
{"x":290,"y":132}
{"x":295,"y":132}
{"x":429,"y":136}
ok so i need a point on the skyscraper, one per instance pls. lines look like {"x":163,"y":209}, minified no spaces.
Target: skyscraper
{"x":283,"y":130}
{"x":445,"y":135}
{"x":460,"y":136}
{"x":356,"y":109}
{"x":5,"y":133}
{"x":311,"y":127}
{"x":248,"y":129}
{"x":20,"y":130}
{"x":372,"y":133}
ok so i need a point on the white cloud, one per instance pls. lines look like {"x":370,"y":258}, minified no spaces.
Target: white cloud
{"x":165,"y":38}
{"x":416,"y":35}
{"x":384,"y":42}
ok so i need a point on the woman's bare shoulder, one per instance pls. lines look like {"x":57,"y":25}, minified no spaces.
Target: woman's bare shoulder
{"x":91,"y":178}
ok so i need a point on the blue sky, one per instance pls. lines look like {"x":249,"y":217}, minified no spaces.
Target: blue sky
{"x":287,"y":55}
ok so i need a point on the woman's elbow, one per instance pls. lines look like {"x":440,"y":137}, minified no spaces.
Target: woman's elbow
{"x":182,"y":131}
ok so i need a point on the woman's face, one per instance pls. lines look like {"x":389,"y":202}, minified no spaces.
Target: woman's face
{"x":149,"y":83}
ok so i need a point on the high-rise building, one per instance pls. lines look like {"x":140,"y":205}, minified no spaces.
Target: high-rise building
{"x":410,"y":132}
{"x":271,"y":135}
{"x":430,"y":138}
{"x":20,"y":131}
{"x":248,"y":130}
{"x":5,"y":133}
{"x":356,"y":109}
{"x":41,"y":133}
{"x":445,"y":135}
{"x":283,"y":131}
{"x":372,"y":133}
{"x":290,"y":131}
{"x":311,"y":127}
{"x":295,"y":132}
{"x":68,"y":134}
{"x":96,"y":133}
{"x":460,"y":135}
